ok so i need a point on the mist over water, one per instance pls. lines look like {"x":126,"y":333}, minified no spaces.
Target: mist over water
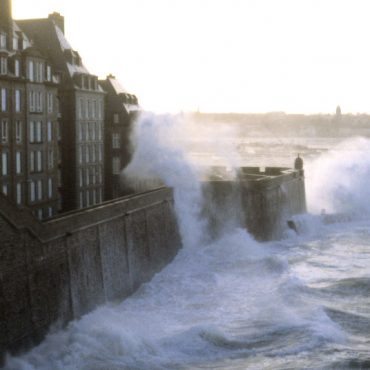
{"x":234,"y":303}
{"x":339,"y":180}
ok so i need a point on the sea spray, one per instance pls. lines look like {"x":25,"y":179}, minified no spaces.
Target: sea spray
{"x":232,"y":303}
{"x":339,"y":180}
{"x":159,"y":155}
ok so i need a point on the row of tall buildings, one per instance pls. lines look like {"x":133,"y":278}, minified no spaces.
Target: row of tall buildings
{"x":64,"y":132}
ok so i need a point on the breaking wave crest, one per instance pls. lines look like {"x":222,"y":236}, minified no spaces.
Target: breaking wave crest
{"x":230,"y":298}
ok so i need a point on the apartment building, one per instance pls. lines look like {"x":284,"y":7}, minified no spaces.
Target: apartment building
{"x":29,"y":145}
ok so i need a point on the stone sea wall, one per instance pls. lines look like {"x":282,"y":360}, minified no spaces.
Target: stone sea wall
{"x":55,"y":271}
{"x":260,"y":201}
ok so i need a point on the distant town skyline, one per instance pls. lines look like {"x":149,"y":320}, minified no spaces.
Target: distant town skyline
{"x":306,"y":56}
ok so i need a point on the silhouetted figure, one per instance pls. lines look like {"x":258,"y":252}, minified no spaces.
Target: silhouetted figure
{"x":298,"y":163}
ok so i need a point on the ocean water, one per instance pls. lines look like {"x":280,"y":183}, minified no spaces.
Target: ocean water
{"x":302,"y":302}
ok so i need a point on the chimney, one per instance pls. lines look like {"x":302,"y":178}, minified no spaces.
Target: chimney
{"x":57,"y":19}
{"x":6,"y":20}
{"x":5,"y":14}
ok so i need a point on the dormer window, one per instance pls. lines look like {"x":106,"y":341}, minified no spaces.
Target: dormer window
{"x":15,"y":43}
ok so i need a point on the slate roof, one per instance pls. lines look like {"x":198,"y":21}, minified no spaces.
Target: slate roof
{"x":47,"y":36}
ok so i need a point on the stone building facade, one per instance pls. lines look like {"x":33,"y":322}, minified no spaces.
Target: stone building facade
{"x":64,"y":134}
{"x":29,"y":173}
{"x":122,"y":109}
{"x":81,"y":101}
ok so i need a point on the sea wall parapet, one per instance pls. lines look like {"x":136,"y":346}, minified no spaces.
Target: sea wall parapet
{"x":55,"y":271}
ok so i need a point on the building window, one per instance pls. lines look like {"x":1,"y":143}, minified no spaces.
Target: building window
{"x":32,"y":161}
{"x":3,"y":65}
{"x":100,"y":109}
{"x":4,"y":131}
{"x":116,"y":141}
{"x":100,"y":172}
{"x":48,"y":73}
{"x":50,"y":159}
{"x":116,"y":165}
{"x":32,"y":131}
{"x":19,"y":193}
{"x":87,"y":177}
{"x":38,"y":131}
{"x":31,"y":70}
{"x":39,"y":72}
{"x":95,"y":108}
{"x":93,"y":130}
{"x":80,"y":151}
{"x":100,"y":152}
{"x":4,"y":162}
{"x":36,"y":161}
{"x":17,"y":101}
{"x":39,"y":99}
{"x":50,"y":102}
{"x":15,"y":43}
{"x":5,"y":189}
{"x":49,"y":129}
{"x":87,"y":152}
{"x":81,"y":177}
{"x":115,"y":118}
{"x":39,"y":189}
{"x":81,"y":199}
{"x":59,"y":131}
{"x":39,"y":213}
{"x":90,"y":129}
{"x":100,"y":130}
{"x":88,"y":109}
{"x":87,"y":198}
{"x":18,"y":163}
{"x":50,"y":211}
{"x":17,"y":69}
{"x":18,"y":131}
{"x":4,"y":100}
{"x":39,"y":161}
{"x":50,"y":188}
{"x":81,"y":109}
{"x":2,"y":41}
{"x":32,"y":101}
{"x":35,"y":132}
{"x":32,"y":191}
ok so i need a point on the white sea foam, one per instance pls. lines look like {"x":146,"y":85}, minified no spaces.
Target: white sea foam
{"x":338,"y":181}
{"x":232,"y":297}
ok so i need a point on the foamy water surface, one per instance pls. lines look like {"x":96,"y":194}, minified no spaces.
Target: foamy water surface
{"x":233,"y":303}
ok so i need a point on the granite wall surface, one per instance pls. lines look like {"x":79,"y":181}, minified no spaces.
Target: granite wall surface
{"x":55,"y":271}
{"x":260,"y":201}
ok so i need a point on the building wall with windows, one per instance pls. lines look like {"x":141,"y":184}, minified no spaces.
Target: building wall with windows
{"x":28,"y":118}
{"x":81,"y":102}
{"x":122,"y":110}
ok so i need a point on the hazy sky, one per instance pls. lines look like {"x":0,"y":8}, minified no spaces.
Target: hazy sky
{"x":224,"y":55}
